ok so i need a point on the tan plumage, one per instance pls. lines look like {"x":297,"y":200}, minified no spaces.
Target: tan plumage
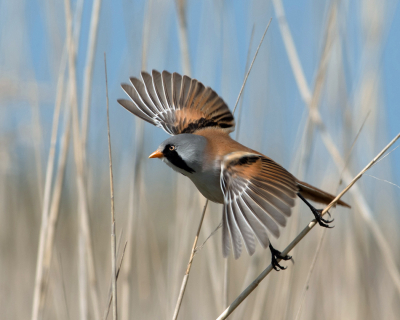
{"x":257,"y":193}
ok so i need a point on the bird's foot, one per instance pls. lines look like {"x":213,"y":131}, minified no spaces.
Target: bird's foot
{"x":321,"y":221}
{"x":275,"y":255}
{"x":317,"y":214}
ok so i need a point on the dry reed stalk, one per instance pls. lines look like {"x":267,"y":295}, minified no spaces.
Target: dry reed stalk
{"x":157,"y":263}
{"x":310,"y":271}
{"x":127,"y":266}
{"x":360,"y":201}
{"x":41,"y":272}
{"x":186,"y":276}
{"x":107,"y":311}
{"x":57,"y":188}
{"x":87,"y":89}
{"x":133,"y":199}
{"x":327,"y":40}
{"x":225,"y":295}
{"x":81,"y":190}
{"x":37,"y":141}
{"x":301,"y":235}
{"x":60,"y":271}
{"x":87,"y":78}
{"x":251,"y":272}
{"x":237,"y":127}
{"x":251,"y":66}
{"x":113,"y":242}
{"x":213,"y":256}
{"x":183,"y":36}
{"x":262,"y":294}
{"x":50,"y":213}
{"x":135,"y":183}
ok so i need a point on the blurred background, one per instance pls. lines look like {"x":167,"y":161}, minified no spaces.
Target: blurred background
{"x":322,"y":100}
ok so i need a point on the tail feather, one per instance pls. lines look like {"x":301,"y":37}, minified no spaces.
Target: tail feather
{"x":317,"y":195}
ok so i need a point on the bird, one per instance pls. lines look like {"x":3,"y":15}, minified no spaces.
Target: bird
{"x":256,"y":192}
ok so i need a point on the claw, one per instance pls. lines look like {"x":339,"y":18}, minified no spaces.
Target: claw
{"x":321,"y":221}
{"x":317,"y":214}
{"x":320,"y":212}
{"x":275,"y":255}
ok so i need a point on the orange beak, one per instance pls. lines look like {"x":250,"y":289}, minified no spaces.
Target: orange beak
{"x":156,"y":154}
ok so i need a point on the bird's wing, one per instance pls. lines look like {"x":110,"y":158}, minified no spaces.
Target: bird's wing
{"x":258,"y":196}
{"x":175,"y":103}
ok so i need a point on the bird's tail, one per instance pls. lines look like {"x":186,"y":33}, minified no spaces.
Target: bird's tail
{"x":317,"y":195}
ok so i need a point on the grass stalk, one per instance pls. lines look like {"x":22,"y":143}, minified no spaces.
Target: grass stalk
{"x":50,"y":212}
{"x":186,"y":276}
{"x":237,"y":127}
{"x":183,"y":36}
{"x":39,"y":290}
{"x":78,"y":155}
{"x":113,"y":240}
{"x":88,"y":75}
{"x":110,"y":291}
{"x":225,"y":296}
{"x":135,"y":183}
{"x":251,"y":66}
{"x":310,"y":271}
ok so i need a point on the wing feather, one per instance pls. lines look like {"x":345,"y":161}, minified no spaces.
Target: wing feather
{"x":151,"y":93}
{"x":244,"y":227}
{"x":186,"y":82}
{"x":235,"y":232}
{"x":258,"y":228}
{"x":129,"y":105}
{"x":226,"y":233}
{"x":177,"y":104}
{"x":258,"y":197}
{"x":158,"y":88}
{"x":270,"y":196}
{"x":267,"y":207}
{"x":167,"y":85}
{"x":141,"y":91}
{"x":265,"y":219}
{"x":176,"y":89}
{"x":284,"y":194}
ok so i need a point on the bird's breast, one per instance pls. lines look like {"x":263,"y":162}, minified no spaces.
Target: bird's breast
{"x":208,"y":182}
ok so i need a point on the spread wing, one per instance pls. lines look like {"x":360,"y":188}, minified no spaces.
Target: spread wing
{"x":175,"y":103}
{"x":258,"y":197}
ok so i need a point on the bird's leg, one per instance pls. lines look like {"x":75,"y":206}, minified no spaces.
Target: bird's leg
{"x":275,"y":255}
{"x":317,"y":213}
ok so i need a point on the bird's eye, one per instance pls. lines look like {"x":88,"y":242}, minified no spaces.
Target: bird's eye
{"x":171,"y":148}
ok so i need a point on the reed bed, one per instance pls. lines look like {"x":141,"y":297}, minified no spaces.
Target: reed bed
{"x":315,"y":101}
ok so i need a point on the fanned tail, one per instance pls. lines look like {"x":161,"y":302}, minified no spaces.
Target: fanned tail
{"x":317,"y":195}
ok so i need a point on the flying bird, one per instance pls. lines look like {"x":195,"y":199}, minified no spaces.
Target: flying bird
{"x":256,"y":192}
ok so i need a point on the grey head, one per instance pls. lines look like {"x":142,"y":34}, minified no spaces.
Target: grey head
{"x":183,"y":153}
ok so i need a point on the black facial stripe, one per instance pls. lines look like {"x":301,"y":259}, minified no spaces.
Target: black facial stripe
{"x":176,"y":159}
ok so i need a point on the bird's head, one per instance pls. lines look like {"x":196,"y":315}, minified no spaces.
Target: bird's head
{"x":183,"y":152}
